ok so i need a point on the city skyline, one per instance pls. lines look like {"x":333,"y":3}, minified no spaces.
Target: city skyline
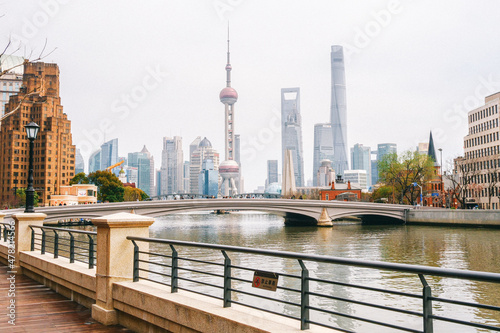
{"x":152,"y":77}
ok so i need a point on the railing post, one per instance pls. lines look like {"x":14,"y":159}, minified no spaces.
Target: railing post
{"x":427,"y":305}
{"x":56,"y":244}
{"x":32,"y":247}
{"x":304,"y":297}
{"x":91,"y":251}
{"x":136,"y":262}
{"x":71,"y":248}
{"x":227,"y":280}
{"x":43,"y":242}
{"x":114,"y":258}
{"x":174,"y":276}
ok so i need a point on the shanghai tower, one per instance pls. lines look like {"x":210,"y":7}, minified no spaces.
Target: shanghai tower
{"x":338,"y":111}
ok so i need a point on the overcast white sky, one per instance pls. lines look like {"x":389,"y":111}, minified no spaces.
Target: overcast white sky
{"x":139,"y":71}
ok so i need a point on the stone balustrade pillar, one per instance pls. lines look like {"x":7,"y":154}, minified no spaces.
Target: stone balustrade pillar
{"x":22,"y":231}
{"x":115,"y":258}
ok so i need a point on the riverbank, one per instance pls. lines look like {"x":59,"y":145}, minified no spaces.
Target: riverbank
{"x":456,"y":217}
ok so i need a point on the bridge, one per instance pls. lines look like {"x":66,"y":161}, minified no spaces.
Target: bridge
{"x":295,"y":212}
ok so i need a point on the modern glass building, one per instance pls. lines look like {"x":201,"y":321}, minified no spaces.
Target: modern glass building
{"x":109,"y":155}
{"x":357,"y":178}
{"x":382,"y":150}
{"x":323,"y":148}
{"x":95,"y":161}
{"x":79,"y":162}
{"x":172,"y":166}
{"x":338,"y":110}
{"x":361,"y":160}
{"x":144,"y":163}
{"x":272,"y":172}
{"x":208,"y":179}
{"x":291,"y":131}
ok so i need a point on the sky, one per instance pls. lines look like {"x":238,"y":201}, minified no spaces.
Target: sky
{"x":141,"y":71}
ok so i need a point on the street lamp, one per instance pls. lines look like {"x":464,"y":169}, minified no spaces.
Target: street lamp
{"x":31,"y":132}
{"x":421,"y":202}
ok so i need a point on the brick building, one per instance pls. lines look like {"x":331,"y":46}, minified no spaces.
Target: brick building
{"x":54,"y":155}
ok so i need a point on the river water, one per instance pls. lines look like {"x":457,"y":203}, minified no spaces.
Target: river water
{"x":447,"y":247}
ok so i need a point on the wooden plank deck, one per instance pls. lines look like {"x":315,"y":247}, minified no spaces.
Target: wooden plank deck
{"x":40,"y":309}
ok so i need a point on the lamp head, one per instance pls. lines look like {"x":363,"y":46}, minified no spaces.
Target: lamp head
{"x":32,"y":130}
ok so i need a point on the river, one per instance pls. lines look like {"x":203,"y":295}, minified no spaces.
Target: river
{"x":447,"y":247}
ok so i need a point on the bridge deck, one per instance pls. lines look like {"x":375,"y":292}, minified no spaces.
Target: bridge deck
{"x":40,"y":309}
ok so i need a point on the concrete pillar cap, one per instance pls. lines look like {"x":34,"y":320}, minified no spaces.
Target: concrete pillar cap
{"x":29,"y":216}
{"x":123,"y":220}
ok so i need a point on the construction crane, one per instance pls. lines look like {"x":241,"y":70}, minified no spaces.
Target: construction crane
{"x":108,"y":169}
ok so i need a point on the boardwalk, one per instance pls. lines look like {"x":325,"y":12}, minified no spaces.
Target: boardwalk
{"x":40,"y":309}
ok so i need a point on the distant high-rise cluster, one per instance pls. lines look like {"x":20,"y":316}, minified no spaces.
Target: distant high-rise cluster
{"x":323,"y":148}
{"x":172,"y":170}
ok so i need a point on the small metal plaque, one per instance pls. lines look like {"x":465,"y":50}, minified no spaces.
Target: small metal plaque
{"x":265,"y":280}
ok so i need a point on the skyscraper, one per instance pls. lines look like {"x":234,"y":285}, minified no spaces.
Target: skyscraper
{"x":202,"y":153}
{"x":144,"y":163}
{"x":361,"y":160}
{"x":109,"y":155}
{"x":323,"y":148}
{"x":229,"y":169}
{"x":54,"y":153}
{"x":338,"y":110}
{"x":95,"y":161}
{"x":172,"y":166}
{"x":272,"y":172}
{"x":383,"y":149}
{"x":79,"y":163}
{"x":291,"y":131}
{"x":208,"y":179}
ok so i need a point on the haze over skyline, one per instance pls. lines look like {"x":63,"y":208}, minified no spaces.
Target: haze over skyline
{"x":142,"y":71}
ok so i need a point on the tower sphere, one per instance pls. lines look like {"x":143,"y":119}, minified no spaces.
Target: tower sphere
{"x":229,"y":169}
{"x":228,"y":95}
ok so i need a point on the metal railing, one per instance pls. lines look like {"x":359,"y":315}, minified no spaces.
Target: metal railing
{"x":5,"y":227}
{"x":232,"y":284}
{"x":75,"y":247}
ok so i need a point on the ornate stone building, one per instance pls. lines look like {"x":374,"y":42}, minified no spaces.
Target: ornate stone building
{"x":54,"y":155}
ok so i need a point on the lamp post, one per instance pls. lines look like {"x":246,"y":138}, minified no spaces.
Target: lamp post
{"x":31,"y":132}
{"x":421,"y":202}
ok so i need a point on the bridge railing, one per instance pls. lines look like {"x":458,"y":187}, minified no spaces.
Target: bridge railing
{"x":299,"y":295}
{"x":77,"y":245}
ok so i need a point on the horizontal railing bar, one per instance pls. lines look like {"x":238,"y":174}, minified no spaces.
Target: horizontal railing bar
{"x":66,"y":230}
{"x":253,"y":269}
{"x":156,"y":254}
{"x":457,"y":321}
{"x":475,"y":305}
{"x":417,"y":269}
{"x":383,"y":307}
{"x":393,"y":292}
{"x":265,"y":310}
{"x":371,"y":321}
{"x":264,"y":297}
{"x":200,"y":293}
{"x":201,"y":272}
{"x":155,"y":263}
{"x":163,"y":283}
{"x":233,"y":278}
{"x":201,"y":261}
{"x":200,"y":282}
{"x":153,"y":272}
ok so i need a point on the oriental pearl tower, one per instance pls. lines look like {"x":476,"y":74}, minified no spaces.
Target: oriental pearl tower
{"x":229,"y":168}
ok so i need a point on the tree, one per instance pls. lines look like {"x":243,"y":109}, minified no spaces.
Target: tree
{"x":21,"y":197}
{"x":134,"y":194}
{"x":79,"y":178}
{"x":401,"y":172}
{"x":382,"y":194}
{"x":461,"y":179}
{"x":109,"y":187}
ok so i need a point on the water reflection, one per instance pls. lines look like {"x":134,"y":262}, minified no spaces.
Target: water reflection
{"x":461,"y":248}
